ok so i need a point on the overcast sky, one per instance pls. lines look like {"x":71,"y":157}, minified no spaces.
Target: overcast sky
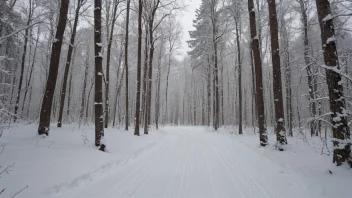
{"x":187,"y":21}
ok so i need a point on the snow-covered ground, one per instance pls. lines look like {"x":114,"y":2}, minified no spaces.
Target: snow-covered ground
{"x":188,"y":162}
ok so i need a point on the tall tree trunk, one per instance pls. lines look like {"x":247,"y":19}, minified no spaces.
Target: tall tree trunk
{"x":145,"y":75}
{"x":259,"y":76}
{"x":23,"y":61}
{"x":45,"y":113}
{"x":86,"y":63}
{"x":98,"y":96}
{"x":150,"y":66}
{"x":157,"y":98}
{"x":138,"y":95}
{"x":254,"y":93}
{"x":340,"y":129}
{"x":150,"y":76}
{"x":277,"y":84}
{"x":287,"y":66}
{"x":167,"y":84}
{"x":312,"y":90}
{"x":208,"y":93}
{"x":107,"y":74}
{"x":70,"y":89}
{"x":68,"y":63}
{"x":239,"y":74}
{"x":29,"y":80}
{"x":126,"y":65}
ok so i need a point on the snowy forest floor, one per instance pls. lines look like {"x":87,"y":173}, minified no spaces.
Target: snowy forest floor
{"x":190,"y":162}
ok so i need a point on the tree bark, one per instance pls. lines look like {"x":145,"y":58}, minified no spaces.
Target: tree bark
{"x":107,"y":74}
{"x":45,"y":113}
{"x":126,"y":64}
{"x":23,"y":61}
{"x":68,"y":63}
{"x":277,"y":84}
{"x":138,"y":95}
{"x":239,"y":74}
{"x":145,"y":75}
{"x":86,"y":63}
{"x":98,"y":96}
{"x":340,"y":129}
{"x":312,"y":102}
{"x":258,"y":73}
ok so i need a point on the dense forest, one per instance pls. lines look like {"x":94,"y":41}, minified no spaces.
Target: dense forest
{"x":280,"y":67}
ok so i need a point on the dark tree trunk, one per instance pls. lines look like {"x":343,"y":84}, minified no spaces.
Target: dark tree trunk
{"x":239,"y":76}
{"x":277,"y":84}
{"x":45,"y":113}
{"x":340,"y":129}
{"x":216,"y":86}
{"x":126,"y":65}
{"x":68,"y":63}
{"x":258,"y":73}
{"x":138,"y":95}
{"x":23,"y":61}
{"x":98,"y":96}
{"x":150,"y":67}
{"x":209,"y":93}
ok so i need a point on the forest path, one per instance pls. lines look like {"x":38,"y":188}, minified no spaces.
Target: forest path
{"x":191,"y":162}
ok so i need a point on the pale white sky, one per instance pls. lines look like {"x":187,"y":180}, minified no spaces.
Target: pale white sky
{"x":187,"y":22}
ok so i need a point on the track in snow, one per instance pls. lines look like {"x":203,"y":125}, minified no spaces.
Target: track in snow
{"x":192,"y":163}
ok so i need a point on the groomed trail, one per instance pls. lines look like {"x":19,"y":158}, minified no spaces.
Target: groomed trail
{"x":191,"y":162}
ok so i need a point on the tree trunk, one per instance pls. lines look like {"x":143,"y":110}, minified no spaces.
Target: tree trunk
{"x":107,"y":74}
{"x":145,"y":75}
{"x":31,"y":71}
{"x":312,"y":90}
{"x":98,"y":96}
{"x":258,"y":73}
{"x":277,"y":84}
{"x":23,"y":61}
{"x":86,"y":63}
{"x":340,"y":129}
{"x":45,"y":113}
{"x":138,"y":95}
{"x":157,"y":98}
{"x":239,"y":75}
{"x":68,"y":63}
{"x":126,"y":65}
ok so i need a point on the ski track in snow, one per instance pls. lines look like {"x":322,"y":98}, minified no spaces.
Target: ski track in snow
{"x":189,"y":163}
